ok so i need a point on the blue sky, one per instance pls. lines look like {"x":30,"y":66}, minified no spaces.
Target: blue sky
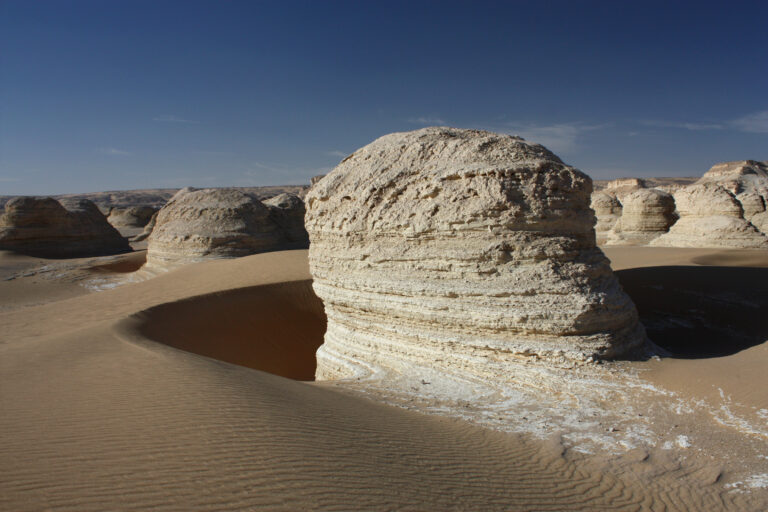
{"x":110,"y":94}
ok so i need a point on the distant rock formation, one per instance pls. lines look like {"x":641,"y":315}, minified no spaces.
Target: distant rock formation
{"x":48,"y":228}
{"x":133,"y":216}
{"x":607,"y":212}
{"x":710,"y":216}
{"x":740,"y":176}
{"x":221,"y":223}
{"x":463,"y":251}
{"x":646,"y":214}
{"x":287,"y":211}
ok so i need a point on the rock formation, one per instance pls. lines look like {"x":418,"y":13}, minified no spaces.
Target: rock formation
{"x":710,"y":216}
{"x":461,"y":250}
{"x":48,"y":228}
{"x":287,"y":211}
{"x":607,"y":211}
{"x":220,"y":223}
{"x":133,"y":216}
{"x":646,"y":214}
{"x":147,"y":229}
{"x":740,"y":176}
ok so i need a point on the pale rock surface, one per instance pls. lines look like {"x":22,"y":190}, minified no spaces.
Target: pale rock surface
{"x":740,"y":176}
{"x":646,"y":214}
{"x":48,"y":228}
{"x":288,"y":212}
{"x":133,"y":216}
{"x":607,"y":212}
{"x":219,"y":223}
{"x":710,"y":216}
{"x":463,"y":251}
{"x":147,"y":229}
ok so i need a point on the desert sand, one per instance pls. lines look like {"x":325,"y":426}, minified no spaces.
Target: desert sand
{"x":100,"y":412}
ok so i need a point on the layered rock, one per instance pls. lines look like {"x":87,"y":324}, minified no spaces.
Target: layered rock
{"x":740,"y":176}
{"x":646,"y":214}
{"x":133,"y":216}
{"x":147,"y":229}
{"x":461,"y":250}
{"x":48,"y":228}
{"x":288,"y":212}
{"x":710,"y":216}
{"x":607,"y":210}
{"x":220,"y":223}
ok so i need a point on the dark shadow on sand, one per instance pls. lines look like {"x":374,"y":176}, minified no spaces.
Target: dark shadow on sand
{"x":700,"y":312}
{"x":276,"y":328}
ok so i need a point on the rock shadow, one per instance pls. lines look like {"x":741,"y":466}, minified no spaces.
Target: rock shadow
{"x":700,"y":312}
{"x":276,"y":328}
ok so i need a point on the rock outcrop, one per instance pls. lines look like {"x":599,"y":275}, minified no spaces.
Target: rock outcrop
{"x":287,"y":211}
{"x":147,"y":229}
{"x":48,"y":228}
{"x":220,"y":223}
{"x":461,"y":250}
{"x":133,"y":216}
{"x":646,"y":214}
{"x":710,"y":216}
{"x":607,"y":211}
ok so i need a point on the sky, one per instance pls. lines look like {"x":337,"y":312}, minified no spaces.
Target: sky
{"x":113,"y":95}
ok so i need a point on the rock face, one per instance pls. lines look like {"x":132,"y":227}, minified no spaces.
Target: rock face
{"x":220,"y":223}
{"x":607,"y":211}
{"x":147,"y":229}
{"x":46,"y":228}
{"x":134,"y":216}
{"x":287,"y":211}
{"x":461,"y":250}
{"x":710,"y":216}
{"x":646,"y":214}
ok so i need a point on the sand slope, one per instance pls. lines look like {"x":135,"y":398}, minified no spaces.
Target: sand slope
{"x":97,"y":416}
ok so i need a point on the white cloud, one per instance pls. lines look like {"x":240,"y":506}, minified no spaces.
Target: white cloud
{"x":752,"y":123}
{"x":562,"y":137}
{"x":340,"y":154}
{"x":114,"y":152}
{"x":173,"y":119}
{"x":427,"y":121}
{"x":684,"y":125}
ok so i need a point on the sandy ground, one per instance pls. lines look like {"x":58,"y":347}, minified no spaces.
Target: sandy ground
{"x":100,"y":412}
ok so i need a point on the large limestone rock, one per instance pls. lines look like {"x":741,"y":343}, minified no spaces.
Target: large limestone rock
{"x":607,"y":211}
{"x":710,"y":216}
{"x":219,"y":223}
{"x":48,"y":228}
{"x":461,"y":250}
{"x":646,"y":214}
{"x":133,"y":216}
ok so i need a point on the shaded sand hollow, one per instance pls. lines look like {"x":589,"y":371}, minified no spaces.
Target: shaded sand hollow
{"x":99,"y":412}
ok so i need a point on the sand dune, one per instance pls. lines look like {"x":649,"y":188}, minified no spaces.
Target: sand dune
{"x":97,"y":416}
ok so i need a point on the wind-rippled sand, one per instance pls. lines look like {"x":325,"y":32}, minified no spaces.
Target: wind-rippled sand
{"x":98,"y":411}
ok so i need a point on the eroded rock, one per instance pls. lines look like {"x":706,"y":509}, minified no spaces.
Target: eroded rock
{"x":219,"y":223}
{"x":48,"y":228}
{"x":710,"y":216}
{"x":461,"y":250}
{"x":646,"y":214}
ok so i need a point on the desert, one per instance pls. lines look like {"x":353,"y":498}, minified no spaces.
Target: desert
{"x":383,"y":256}
{"x":294,"y":399}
